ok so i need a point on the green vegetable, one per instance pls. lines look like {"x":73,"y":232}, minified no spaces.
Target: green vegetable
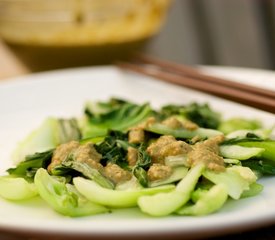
{"x":32,"y":163}
{"x":141,"y":175}
{"x":112,"y":148}
{"x":133,"y":183}
{"x":143,"y":163}
{"x":114,"y":198}
{"x":177,"y":174}
{"x":267,"y":157}
{"x":170,"y":110}
{"x":201,"y":114}
{"x":260,"y":166}
{"x":236,"y":179}
{"x":91,"y":140}
{"x":51,"y":133}
{"x":267,"y":145}
{"x":73,"y":165}
{"x":239,"y":152}
{"x":63,"y":198}
{"x":182,"y":133}
{"x":78,"y":182}
{"x":163,"y":204}
{"x":254,"y":189}
{"x":249,"y":137}
{"x":96,"y":109}
{"x":198,"y":193}
{"x":234,"y":124}
{"x":85,"y":170}
{"x":232,"y":161}
{"x":258,"y":133}
{"x":16,"y":188}
{"x":115,"y":116}
{"x":210,"y":202}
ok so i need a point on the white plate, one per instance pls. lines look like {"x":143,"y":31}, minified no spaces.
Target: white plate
{"x":26,"y":101}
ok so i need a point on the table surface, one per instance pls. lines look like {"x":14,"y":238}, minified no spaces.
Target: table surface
{"x":10,"y":67}
{"x":267,"y":233}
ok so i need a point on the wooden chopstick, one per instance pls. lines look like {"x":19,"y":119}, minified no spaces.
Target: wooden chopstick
{"x":196,"y":74}
{"x":231,"y":92}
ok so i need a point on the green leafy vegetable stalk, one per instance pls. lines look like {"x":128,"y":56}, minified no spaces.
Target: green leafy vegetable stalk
{"x":113,"y":115}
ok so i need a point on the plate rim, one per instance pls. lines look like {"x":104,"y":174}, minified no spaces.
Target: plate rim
{"x":33,"y":77}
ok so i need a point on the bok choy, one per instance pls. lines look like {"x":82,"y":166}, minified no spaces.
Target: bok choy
{"x":179,"y":159}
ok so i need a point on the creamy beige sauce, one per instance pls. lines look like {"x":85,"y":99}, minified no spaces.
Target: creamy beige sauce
{"x":159,"y":172}
{"x":175,"y":123}
{"x":136,"y":135}
{"x":61,"y":152}
{"x":207,"y":152}
{"x":87,"y":154}
{"x":116,"y":174}
{"x":83,"y":153}
{"x":167,"y":146}
{"x":132,"y":156}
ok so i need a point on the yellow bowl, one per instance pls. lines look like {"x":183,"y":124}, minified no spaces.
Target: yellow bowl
{"x":79,"y":22}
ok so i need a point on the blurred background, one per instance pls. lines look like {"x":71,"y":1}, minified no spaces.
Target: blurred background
{"x":219,"y":32}
{"x":38,"y":35}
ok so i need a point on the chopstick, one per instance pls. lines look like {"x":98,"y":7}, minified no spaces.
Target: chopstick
{"x":196,"y":74}
{"x":193,"y":78}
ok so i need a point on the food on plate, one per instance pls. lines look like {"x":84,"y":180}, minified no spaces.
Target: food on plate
{"x":179,"y":159}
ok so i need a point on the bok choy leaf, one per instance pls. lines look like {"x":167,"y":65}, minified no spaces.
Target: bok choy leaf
{"x":16,"y":188}
{"x":48,"y":135}
{"x":63,"y":198}
{"x":113,"y":115}
{"x":32,"y":163}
